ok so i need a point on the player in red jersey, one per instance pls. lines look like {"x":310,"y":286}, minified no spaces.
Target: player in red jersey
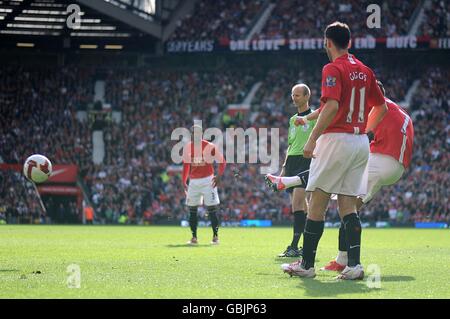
{"x":198,"y":158}
{"x":351,"y":102}
{"x":390,"y":155}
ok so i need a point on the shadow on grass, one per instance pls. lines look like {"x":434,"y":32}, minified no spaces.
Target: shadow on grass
{"x":9,"y":270}
{"x":188,"y":246}
{"x":396,"y":278}
{"x":331,"y":287}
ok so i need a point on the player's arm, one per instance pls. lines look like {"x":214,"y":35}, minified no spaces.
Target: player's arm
{"x":303,"y":120}
{"x":186,"y":166}
{"x":375,"y":97}
{"x":331,"y":93}
{"x":375,"y":116}
{"x":222,"y":164}
{"x":186,"y":169}
{"x":325,"y":118}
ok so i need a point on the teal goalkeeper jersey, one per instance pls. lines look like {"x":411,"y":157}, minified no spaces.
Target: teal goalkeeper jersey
{"x":298,"y":135}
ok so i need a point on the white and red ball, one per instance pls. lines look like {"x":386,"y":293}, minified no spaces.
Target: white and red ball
{"x":37,"y":168}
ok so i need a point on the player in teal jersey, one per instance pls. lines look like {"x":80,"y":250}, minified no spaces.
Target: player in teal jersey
{"x":295,"y":163}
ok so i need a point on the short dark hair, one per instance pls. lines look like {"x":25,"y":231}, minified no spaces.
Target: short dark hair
{"x":381,"y":86}
{"x":339,"y":33}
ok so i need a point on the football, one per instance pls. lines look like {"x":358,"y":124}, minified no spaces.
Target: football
{"x":37,"y":168}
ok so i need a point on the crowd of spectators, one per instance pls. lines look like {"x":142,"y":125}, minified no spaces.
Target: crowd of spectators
{"x":232,"y":20}
{"x":37,"y":107}
{"x":308,"y":19}
{"x":436,"y":20}
{"x":138,"y":183}
{"x":216,"y":20}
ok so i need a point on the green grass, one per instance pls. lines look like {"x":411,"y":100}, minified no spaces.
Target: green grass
{"x":154,"y":262}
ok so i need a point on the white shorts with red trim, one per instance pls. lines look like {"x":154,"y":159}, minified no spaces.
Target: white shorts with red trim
{"x":338,"y":168}
{"x":201,"y":190}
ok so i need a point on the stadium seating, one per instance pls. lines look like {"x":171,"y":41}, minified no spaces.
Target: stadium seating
{"x":133,"y":180}
{"x":230,"y":19}
{"x":226,"y":20}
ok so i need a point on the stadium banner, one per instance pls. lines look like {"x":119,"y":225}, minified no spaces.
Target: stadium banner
{"x":381,"y":224}
{"x":303,"y":44}
{"x":59,"y":190}
{"x":256,"y":223}
{"x":190,"y":46}
{"x":60,"y":173}
{"x":430,"y":225}
{"x":64,"y":174}
{"x":185,"y":223}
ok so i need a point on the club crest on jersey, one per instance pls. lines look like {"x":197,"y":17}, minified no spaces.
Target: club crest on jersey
{"x":330,"y":81}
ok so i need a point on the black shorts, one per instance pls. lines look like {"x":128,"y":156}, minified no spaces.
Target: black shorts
{"x":296,"y":164}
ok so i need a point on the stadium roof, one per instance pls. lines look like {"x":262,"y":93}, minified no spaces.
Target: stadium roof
{"x":56,"y":24}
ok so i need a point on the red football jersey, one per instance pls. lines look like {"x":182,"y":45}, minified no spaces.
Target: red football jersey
{"x":394,"y":135}
{"x":351,"y":83}
{"x":199,"y":162}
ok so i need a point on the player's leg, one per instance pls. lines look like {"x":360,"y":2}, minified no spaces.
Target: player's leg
{"x":212,"y":212}
{"x":193,"y":223}
{"x":341,"y":260}
{"x":353,"y":184}
{"x":352,"y":225}
{"x":313,"y":232}
{"x":279,"y":183}
{"x":383,"y":170}
{"x":324,"y":176}
{"x":299,"y":208}
{"x":296,"y":166}
{"x":193,"y":200}
{"x":371,"y":177}
{"x":297,"y":196}
{"x":212,"y":201}
{"x":314,"y":226}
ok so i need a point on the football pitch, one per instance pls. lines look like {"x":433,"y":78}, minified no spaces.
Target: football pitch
{"x":154,"y":262}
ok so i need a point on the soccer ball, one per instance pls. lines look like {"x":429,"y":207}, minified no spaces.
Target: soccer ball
{"x":37,"y":168}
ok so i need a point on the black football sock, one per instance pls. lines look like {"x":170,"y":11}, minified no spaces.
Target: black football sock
{"x":193,"y":220}
{"x":342,"y":241}
{"x":353,"y":236}
{"x":214,"y":220}
{"x":311,"y":237}
{"x":299,"y":227}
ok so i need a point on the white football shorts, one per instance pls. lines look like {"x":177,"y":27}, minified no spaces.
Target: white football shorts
{"x":200,"y":190}
{"x":338,"y":168}
{"x":382,"y":170}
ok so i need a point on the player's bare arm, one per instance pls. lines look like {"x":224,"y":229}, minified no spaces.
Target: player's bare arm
{"x":303,"y":120}
{"x":375,"y":116}
{"x":324,"y":120}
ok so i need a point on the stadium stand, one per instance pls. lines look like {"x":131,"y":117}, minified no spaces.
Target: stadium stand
{"x":219,"y":20}
{"x":39,"y":105}
{"x":134,"y":182}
